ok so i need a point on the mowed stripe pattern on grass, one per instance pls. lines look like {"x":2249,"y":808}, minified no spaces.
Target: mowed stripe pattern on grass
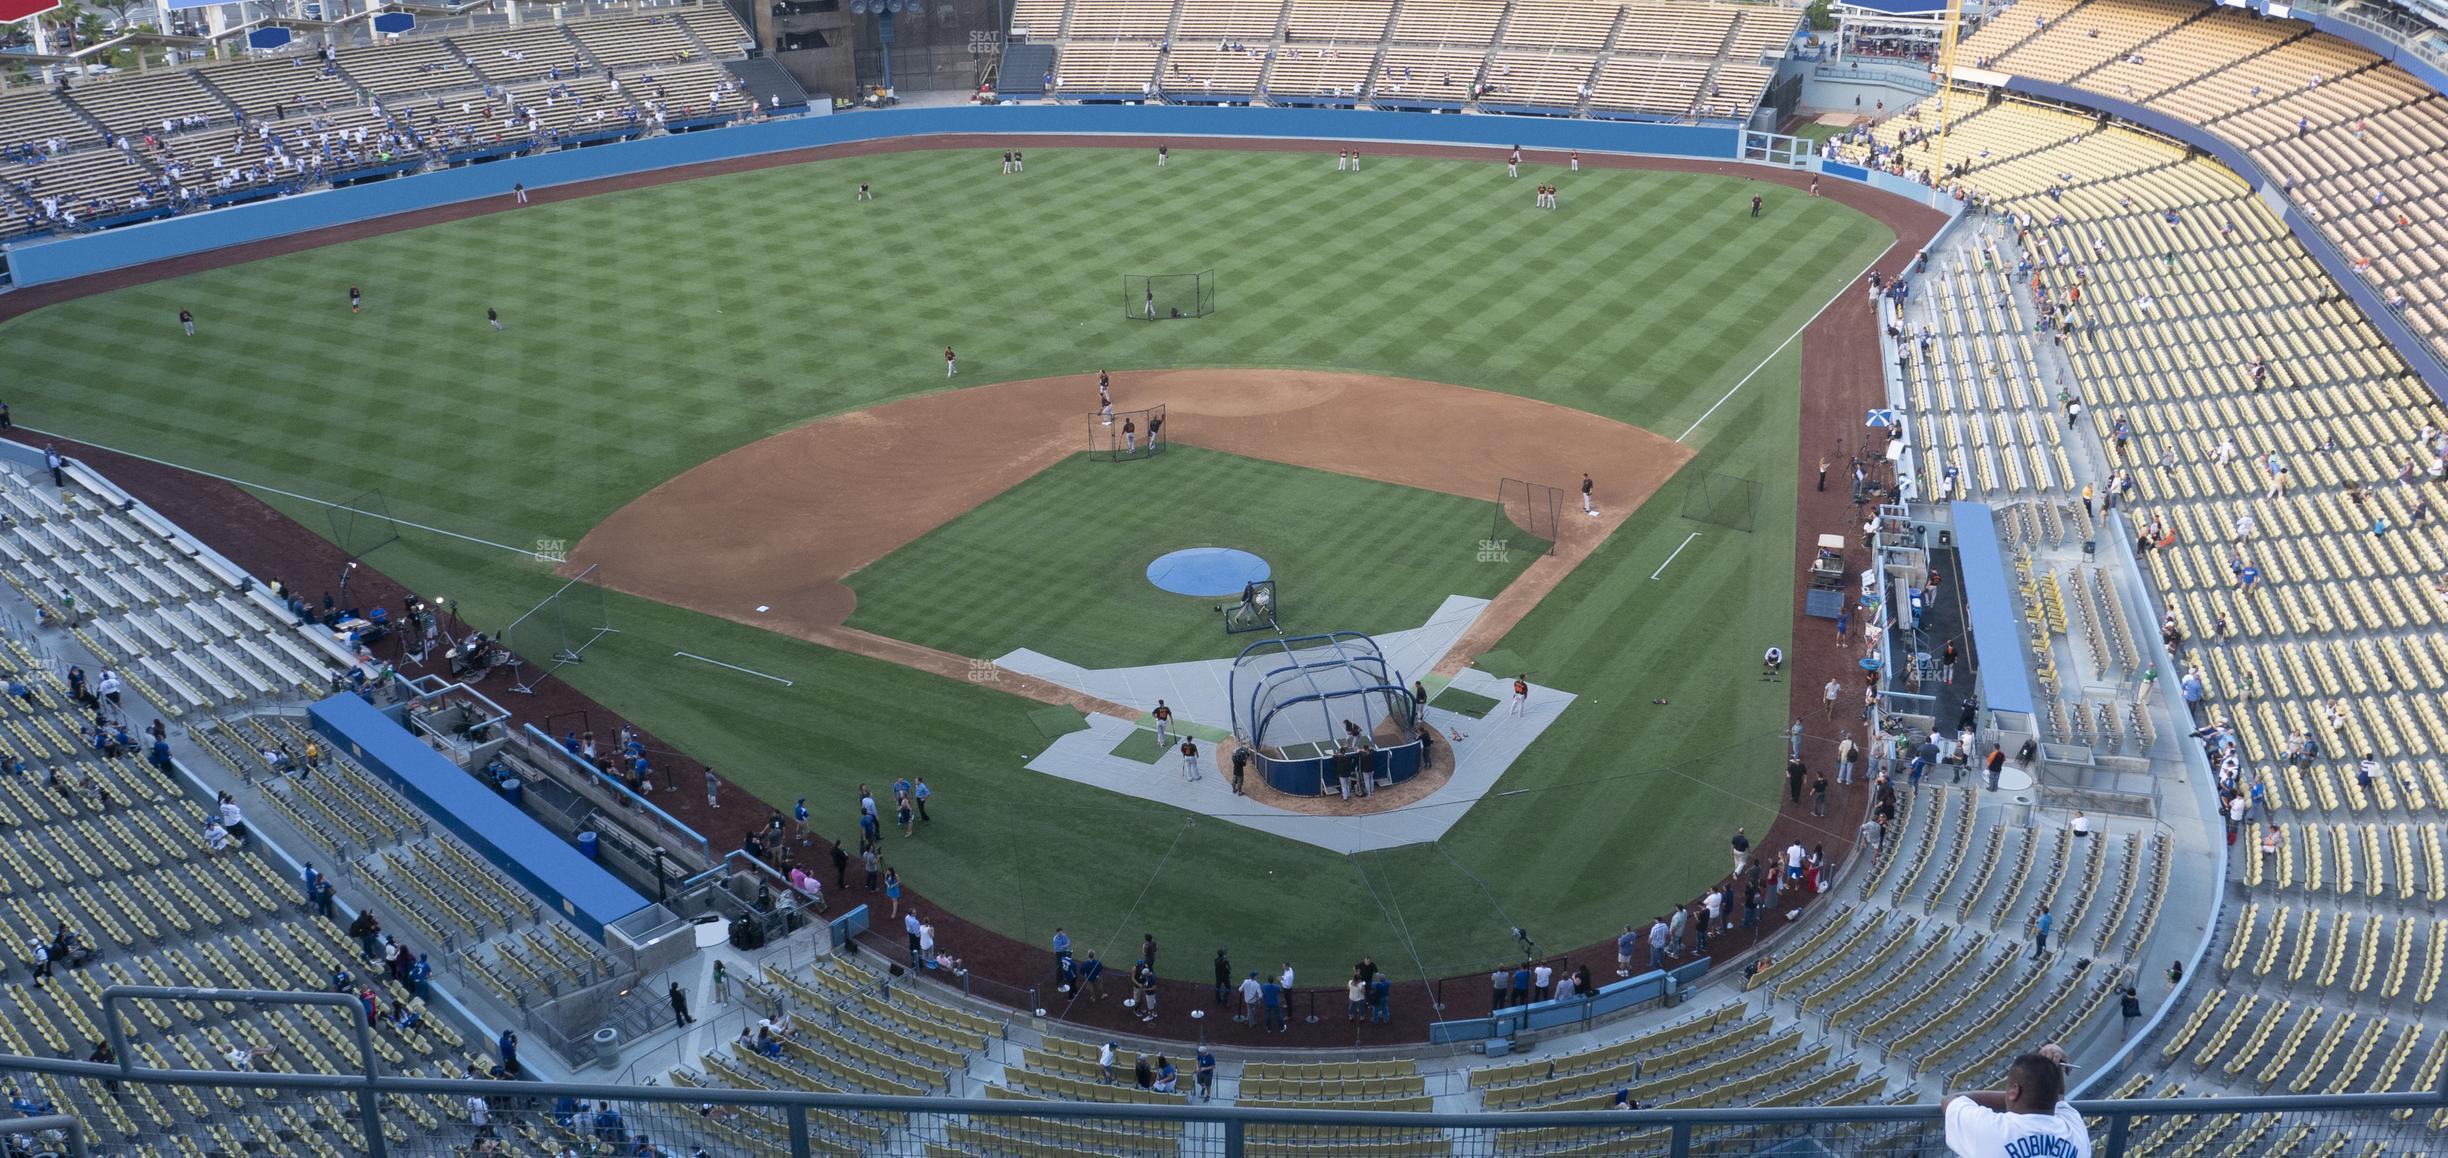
{"x":650,"y":330}
{"x":1059,"y":563}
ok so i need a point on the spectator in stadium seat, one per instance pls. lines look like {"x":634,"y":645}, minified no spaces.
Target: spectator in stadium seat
{"x":2029,"y":1116}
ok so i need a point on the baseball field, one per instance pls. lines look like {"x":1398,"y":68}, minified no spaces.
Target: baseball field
{"x":762,"y":347}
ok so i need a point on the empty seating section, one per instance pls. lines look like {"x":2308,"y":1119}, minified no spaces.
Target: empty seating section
{"x":1573,"y":24}
{"x":1109,"y":68}
{"x":1442,"y":75}
{"x":264,"y":89}
{"x":36,"y":117}
{"x":2092,"y":35}
{"x":158,"y":103}
{"x":2189,"y":51}
{"x":1547,"y":56}
{"x":1320,"y":70}
{"x":1664,"y":87}
{"x":1037,"y":20}
{"x":409,"y":67}
{"x":1240,"y":21}
{"x":167,"y":623}
{"x":1763,"y":33}
{"x":2357,"y":143}
{"x":2023,"y":20}
{"x":1361,"y":21}
{"x":508,"y":54}
{"x":717,"y":30}
{"x":1541,"y":79}
{"x":637,"y":40}
{"x":1218,"y":68}
{"x":1462,"y":22}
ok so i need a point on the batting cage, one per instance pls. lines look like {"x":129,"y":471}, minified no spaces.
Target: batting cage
{"x":1148,"y":297}
{"x":362,"y":524}
{"x":1722,"y":499}
{"x":1254,"y":611}
{"x":1526,"y":516}
{"x":1127,"y":434}
{"x":558,"y":630}
{"x":1324,"y":713}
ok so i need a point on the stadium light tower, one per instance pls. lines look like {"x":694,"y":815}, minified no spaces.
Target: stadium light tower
{"x":884,"y":11}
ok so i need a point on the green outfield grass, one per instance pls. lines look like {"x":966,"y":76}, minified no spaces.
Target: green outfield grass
{"x":653,"y":329}
{"x":1059,"y":563}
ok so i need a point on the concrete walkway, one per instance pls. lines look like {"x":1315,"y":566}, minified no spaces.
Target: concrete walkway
{"x":1483,"y":749}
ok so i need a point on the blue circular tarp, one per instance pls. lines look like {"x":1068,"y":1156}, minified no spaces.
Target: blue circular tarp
{"x":1207,"y":572}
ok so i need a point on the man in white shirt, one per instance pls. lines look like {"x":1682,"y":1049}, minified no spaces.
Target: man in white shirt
{"x":2030,"y":1118}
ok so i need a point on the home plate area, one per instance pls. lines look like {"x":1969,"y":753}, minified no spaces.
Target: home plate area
{"x":1482,"y":747}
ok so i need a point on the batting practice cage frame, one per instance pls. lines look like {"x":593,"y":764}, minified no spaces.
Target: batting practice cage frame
{"x":1725,"y":500}
{"x":1133,"y":434}
{"x":1526,"y":518}
{"x":558,"y":630}
{"x":1148,"y":297}
{"x":1292,"y":696}
{"x":1255,"y":613}
{"x":363,"y":524}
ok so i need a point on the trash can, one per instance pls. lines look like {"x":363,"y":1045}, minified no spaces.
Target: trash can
{"x":590,"y":846}
{"x":2019,"y":813}
{"x":512,"y":789}
{"x":608,"y":1046}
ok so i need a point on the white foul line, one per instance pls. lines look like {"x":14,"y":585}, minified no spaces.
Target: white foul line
{"x":239,"y":482}
{"x":736,"y":667}
{"x":1677,"y":551}
{"x":1849,"y":286}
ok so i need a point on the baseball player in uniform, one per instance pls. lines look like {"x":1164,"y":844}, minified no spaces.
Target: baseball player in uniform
{"x":1589,"y":505}
{"x":1151,"y":299}
{"x":865,"y":194}
{"x":1164,"y":725}
{"x":1007,"y":162}
{"x":187,"y":322}
{"x":492,"y":318}
{"x":356,"y":300}
{"x":1130,"y":437}
{"x":1189,"y":751}
{"x":1513,"y":162}
{"x":1521,"y":692}
{"x":1342,"y":160}
{"x":1161,"y":153}
{"x":1105,"y":396}
{"x":1576,"y":160}
{"x":951,"y":364}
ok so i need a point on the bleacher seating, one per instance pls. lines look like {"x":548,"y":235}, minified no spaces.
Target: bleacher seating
{"x":1542,"y":56}
{"x":198,"y":137}
{"x":2354,"y":141}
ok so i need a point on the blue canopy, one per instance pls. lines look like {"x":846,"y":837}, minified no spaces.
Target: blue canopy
{"x":508,"y":838}
{"x":1989,"y":610}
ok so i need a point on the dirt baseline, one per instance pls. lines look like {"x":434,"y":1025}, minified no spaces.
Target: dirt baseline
{"x":779,"y":523}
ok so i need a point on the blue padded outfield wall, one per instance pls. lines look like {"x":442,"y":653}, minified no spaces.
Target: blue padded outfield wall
{"x":512,"y":840}
{"x":34,"y":263}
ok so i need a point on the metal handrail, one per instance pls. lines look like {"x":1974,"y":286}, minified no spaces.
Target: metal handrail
{"x":798,"y":1106}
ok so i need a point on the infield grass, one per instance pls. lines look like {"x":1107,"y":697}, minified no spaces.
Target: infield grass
{"x":1059,"y":563}
{"x":651,"y":330}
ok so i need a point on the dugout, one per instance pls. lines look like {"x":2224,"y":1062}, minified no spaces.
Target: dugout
{"x":1296,"y":699}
